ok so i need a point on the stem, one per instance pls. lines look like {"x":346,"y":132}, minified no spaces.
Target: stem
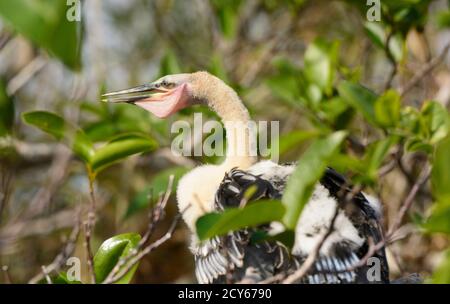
{"x":90,"y":224}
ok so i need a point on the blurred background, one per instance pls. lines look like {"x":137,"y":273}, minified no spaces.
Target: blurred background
{"x":266,"y":49}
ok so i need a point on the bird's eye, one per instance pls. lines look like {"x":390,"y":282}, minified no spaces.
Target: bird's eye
{"x":164,"y":83}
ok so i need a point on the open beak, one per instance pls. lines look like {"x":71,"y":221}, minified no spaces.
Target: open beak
{"x":134,"y":94}
{"x":157,"y":100}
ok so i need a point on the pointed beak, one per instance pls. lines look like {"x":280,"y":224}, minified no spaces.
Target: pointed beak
{"x":134,"y":94}
{"x":153,"y":98}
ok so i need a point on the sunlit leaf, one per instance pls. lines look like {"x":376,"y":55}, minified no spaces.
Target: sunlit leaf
{"x":320,"y":64}
{"x":440,"y":174}
{"x":110,"y":253}
{"x":45,"y":23}
{"x":387,"y":109}
{"x":309,"y":170}
{"x":62,"y":130}
{"x":436,"y":121}
{"x":232,"y":219}
{"x":292,"y":139}
{"x":121,"y":147}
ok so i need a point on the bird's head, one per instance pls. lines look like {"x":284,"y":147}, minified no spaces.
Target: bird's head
{"x":168,"y":94}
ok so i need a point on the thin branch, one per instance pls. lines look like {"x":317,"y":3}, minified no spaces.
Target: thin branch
{"x":88,"y":249}
{"x":426,"y":69}
{"x":62,"y":257}
{"x":408,"y":201}
{"x":33,"y":67}
{"x":136,"y":256}
{"x":310,"y":260}
{"x":156,"y":214}
{"x":47,"y":277}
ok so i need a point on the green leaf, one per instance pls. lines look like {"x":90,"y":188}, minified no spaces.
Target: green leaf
{"x":158,"y":185}
{"x":387,"y":109}
{"x":438,"y":221}
{"x":62,"y":130}
{"x":292,"y":139}
{"x":232,"y":219}
{"x":62,"y":279}
{"x":309,"y":170}
{"x":442,"y":274}
{"x":109,"y":254}
{"x":435,"y":120}
{"x":359,"y":97}
{"x":440,"y":174}
{"x":375,"y":155}
{"x":6,"y":111}
{"x":119,"y":148}
{"x":377,"y":34}
{"x":443,"y":19}
{"x":320,"y":64}
{"x":45,"y":23}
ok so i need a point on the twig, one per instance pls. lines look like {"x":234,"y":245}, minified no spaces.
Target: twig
{"x":408,"y":201}
{"x":309,"y":262}
{"x":26,"y":74}
{"x":47,"y":277}
{"x":433,"y":63}
{"x":87,"y":246}
{"x":138,"y":255}
{"x":392,"y":60}
{"x":61,"y":258}
{"x":156,"y":214}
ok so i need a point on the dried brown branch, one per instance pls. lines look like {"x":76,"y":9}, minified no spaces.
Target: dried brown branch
{"x":33,"y":67}
{"x":88,"y":249}
{"x":136,"y":256}
{"x":156,"y":214}
{"x":408,"y":201}
{"x":62,"y":257}
{"x":47,"y":277}
{"x":425,"y":70}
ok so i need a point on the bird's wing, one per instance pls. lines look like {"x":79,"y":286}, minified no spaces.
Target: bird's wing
{"x":233,"y":255}
{"x":338,"y":266}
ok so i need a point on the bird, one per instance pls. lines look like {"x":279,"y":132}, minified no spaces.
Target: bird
{"x":235,"y":257}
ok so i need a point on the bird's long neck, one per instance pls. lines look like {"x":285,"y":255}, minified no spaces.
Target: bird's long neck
{"x":240,"y":136}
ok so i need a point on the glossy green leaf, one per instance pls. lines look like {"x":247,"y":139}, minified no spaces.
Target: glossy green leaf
{"x":359,"y":97}
{"x":440,"y":174}
{"x":45,"y":23}
{"x":232,"y":219}
{"x":109,"y":254}
{"x":120,"y":148}
{"x":320,"y":64}
{"x":62,"y":130}
{"x":387,"y":109}
{"x":309,"y":170}
{"x":157,"y":186}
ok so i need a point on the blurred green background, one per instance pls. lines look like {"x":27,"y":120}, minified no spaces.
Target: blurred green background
{"x":304,"y":63}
